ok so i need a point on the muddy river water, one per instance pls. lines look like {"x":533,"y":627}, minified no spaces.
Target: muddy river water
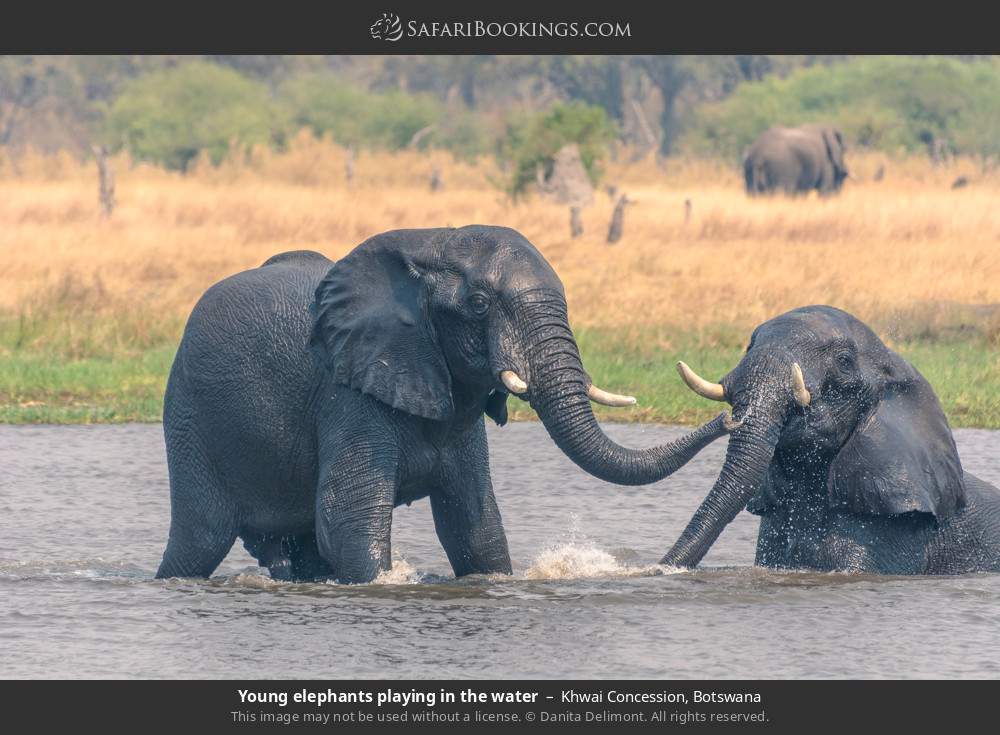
{"x":84,"y":512}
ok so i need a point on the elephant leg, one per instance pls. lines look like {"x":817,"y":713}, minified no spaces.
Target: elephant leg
{"x":271,"y":551}
{"x":354,"y":504}
{"x":844,"y":554}
{"x":307,"y":561}
{"x":772,"y":542}
{"x":827,"y":182}
{"x":203,"y":519}
{"x":465,"y":510}
{"x":291,"y":558}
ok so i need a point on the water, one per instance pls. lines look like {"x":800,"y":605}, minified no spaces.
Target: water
{"x":84,"y":514}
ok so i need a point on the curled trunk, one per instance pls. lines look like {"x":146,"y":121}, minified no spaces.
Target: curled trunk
{"x":774,"y":383}
{"x":751,"y":448}
{"x":558,"y":392}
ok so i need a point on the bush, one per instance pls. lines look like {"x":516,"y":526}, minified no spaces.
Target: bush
{"x":171,"y":116}
{"x":325,"y":105}
{"x":533,"y":140}
{"x":354,"y":117}
{"x":885,"y":102}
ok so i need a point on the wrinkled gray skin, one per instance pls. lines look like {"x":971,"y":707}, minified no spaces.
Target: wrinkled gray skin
{"x":866,"y":478}
{"x":308,"y":398}
{"x":796,"y":161}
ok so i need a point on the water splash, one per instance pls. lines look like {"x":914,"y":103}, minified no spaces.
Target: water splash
{"x":254,"y":579}
{"x":577,"y":557}
{"x":401,"y":572}
{"x":576,"y":560}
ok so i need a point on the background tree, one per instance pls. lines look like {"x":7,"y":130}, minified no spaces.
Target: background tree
{"x":171,"y":116}
{"x":706,"y":105}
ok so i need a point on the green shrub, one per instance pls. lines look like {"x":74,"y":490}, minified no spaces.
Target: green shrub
{"x":885,"y":102}
{"x":355,"y":117}
{"x":399,"y":116}
{"x":465,"y":134}
{"x":532,"y":140}
{"x":171,"y":116}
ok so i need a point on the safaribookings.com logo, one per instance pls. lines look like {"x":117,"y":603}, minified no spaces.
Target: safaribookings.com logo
{"x":387,"y":28}
{"x":390,"y":28}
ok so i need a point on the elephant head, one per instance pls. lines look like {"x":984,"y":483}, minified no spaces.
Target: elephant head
{"x":824,"y":403}
{"x":433,"y":321}
{"x":833,"y":142}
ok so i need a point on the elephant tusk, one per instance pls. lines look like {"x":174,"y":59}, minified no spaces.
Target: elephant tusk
{"x":513,"y":382}
{"x":802,"y":396}
{"x":712,"y":391}
{"x":608,"y":399}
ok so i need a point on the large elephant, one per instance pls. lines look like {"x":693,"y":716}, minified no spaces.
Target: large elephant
{"x":796,"y":161}
{"x":844,"y":452}
{"x":308,"y":398}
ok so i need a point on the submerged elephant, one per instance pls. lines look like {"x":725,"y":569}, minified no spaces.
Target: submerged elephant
{"x":308,"y":398}
{"x":844,"y":452}
{"x":796,"y":161}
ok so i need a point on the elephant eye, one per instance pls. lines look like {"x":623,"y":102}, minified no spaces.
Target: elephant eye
{"x":845,"y":361}
{"x":479,"y":304}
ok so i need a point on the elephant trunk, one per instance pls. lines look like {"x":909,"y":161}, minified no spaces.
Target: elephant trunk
{"x":751,"y":448}
{"x":559,"y":393}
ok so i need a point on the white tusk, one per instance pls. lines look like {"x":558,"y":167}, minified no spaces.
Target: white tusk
{"x":512,"y":382}
{"x":608,"y":399}
{"x":802,"y":396}
{"x":712,"y":391}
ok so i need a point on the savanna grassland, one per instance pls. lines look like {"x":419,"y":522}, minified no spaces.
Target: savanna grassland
{"x":91,"y":309}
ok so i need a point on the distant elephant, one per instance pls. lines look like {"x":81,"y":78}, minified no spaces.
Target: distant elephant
{"x":844,"y":452}
{"x":796,"y":161}
{"x":309,"y":398}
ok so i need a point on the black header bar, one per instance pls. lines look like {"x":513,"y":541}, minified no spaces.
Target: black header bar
{"x":440,"y":27}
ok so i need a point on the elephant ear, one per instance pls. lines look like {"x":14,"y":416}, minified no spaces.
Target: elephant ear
{"x":902,"y":458}
{"x":834,"y":143}
{"x":372,"y":328}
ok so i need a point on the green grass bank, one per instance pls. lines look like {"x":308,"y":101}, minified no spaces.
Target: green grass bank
{"x":121,"y":385}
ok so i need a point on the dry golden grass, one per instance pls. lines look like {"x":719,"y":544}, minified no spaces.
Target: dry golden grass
{"x":90,"y":309}
{"x":894,"y":252}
